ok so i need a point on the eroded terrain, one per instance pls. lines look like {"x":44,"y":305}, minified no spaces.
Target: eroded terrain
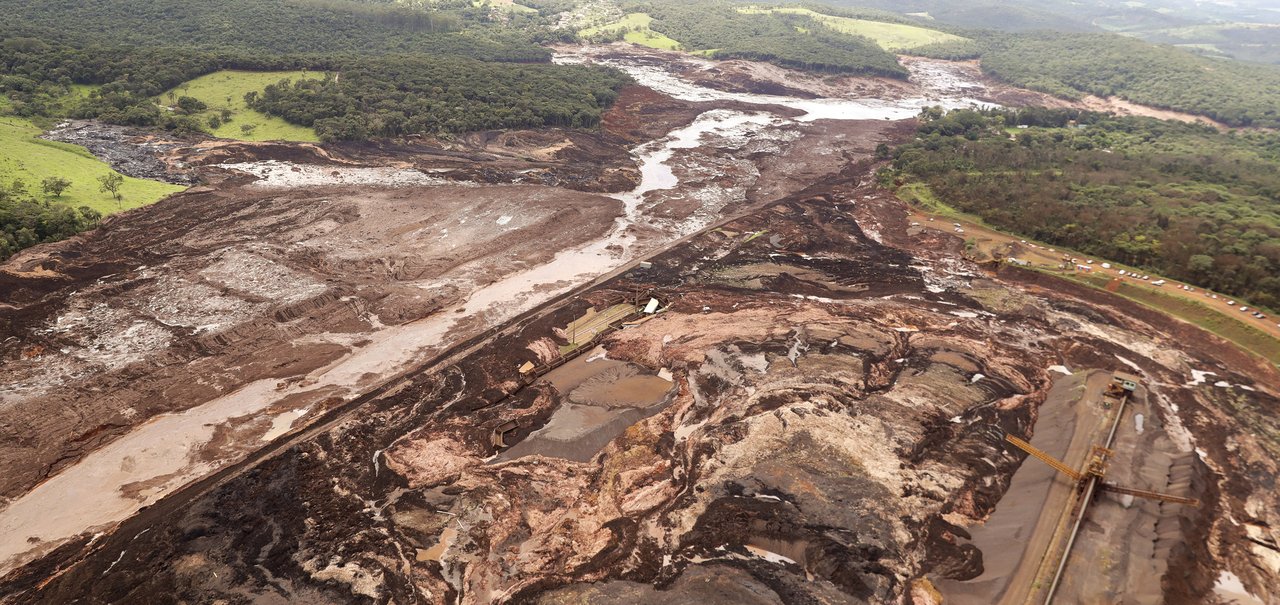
{"x":816,"y":414}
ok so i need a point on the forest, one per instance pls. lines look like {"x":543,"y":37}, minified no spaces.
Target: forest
{"x":1075,"y":65}
{"x":25,"y":221}
{"x":397,"y":96}
{"x":1180,"y":199}
{"x":274,"y":26}
{"x":492,"y":83}
{"x":721,"y":31}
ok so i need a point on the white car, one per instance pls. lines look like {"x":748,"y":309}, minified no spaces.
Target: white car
{"x":1242,"y":309}
{"x":1231,"y":303}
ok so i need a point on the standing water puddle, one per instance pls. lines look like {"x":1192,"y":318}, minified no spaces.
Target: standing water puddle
{"x":600,"y":398}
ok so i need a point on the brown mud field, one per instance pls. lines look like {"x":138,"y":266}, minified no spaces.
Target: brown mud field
{"x":829,"y":440}
{"x":331,"y":337}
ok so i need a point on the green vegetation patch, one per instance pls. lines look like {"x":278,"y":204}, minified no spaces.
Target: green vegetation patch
{"x":1182,"y":200}
{"x":503,"y":5}
{"x":228,"y":116}
{"x":31,"y":160}
{"x":787,"y":39}
{"x":890,"y":36}
{"x":1075,"y":65}
{"x":280,"y":27}
{"x":634,"y":28}
{"x":396,"y":96}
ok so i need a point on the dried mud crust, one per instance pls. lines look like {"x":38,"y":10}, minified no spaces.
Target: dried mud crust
{"x":130,"y":151}
{"x":837,"y":422}
{"x":207,"y":291}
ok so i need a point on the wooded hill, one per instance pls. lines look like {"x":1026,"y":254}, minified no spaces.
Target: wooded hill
{"x":1074,"y":65}
{"x":478,"y":65}
{"x":1180,"y":199}
{"x":398,"y":95}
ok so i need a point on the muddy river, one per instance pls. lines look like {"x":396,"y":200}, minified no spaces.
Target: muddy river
{"x":164,"y":454}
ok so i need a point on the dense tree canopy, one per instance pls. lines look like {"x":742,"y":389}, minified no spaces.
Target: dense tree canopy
{"x":786,"y":39}
{"x":158,"y":44}
{"x":273,"y":26}
{"x":1074,"y":65}
{"x":27,"y":222}
{"x":1181,"y":199}
{"x":395,"y":96}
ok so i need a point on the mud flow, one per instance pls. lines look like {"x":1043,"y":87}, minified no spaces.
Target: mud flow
{"x":426,"y":372}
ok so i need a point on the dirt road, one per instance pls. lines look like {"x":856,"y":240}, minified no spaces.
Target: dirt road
{"x":1043,"y":256}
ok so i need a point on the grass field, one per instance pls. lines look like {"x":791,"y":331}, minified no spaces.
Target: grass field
{"x":226,"y":89}
{"x":636,"y":26}
{"x":890,"y":36}
{"x":24,"y":157}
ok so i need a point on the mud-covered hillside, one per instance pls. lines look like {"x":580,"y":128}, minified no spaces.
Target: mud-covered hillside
{"x":383,"y":374}
{"x":831,"y":423}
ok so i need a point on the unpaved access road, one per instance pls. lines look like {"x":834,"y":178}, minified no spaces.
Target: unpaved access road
{"x":1045,"y":256}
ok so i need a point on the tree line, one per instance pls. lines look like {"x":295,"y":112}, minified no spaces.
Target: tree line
{"x":1181,"y":199}
{"x":1073,"y":65}
{"x":402,"y":95}
{"x":27,"y":221}
{"x":790,"y":40}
